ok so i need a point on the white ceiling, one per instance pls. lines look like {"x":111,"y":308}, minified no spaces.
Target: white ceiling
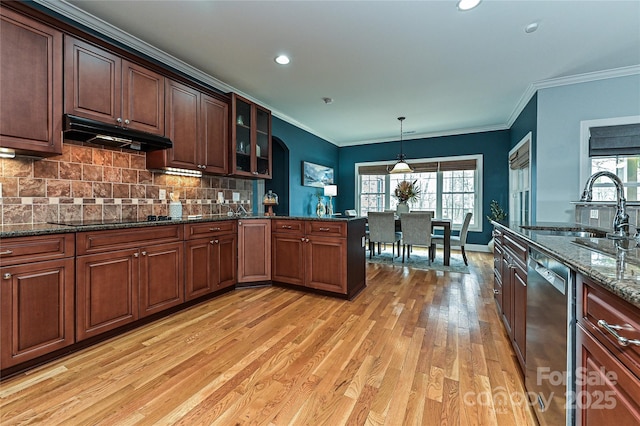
{"x":446,"y":71}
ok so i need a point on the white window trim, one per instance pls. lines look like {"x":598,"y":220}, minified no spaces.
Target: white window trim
{"x":479,"y":171}
{"x":526,"y":139}
{"x":585,"y":125}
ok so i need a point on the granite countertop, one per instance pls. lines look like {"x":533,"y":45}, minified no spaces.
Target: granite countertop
{"x":613,"y":265}
{"x":23,"y":230}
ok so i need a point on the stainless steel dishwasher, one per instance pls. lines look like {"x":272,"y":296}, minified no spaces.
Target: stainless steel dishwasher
{"x":550,"y":358}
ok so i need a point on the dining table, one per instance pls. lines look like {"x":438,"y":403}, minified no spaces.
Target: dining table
{"x":445,"y":224}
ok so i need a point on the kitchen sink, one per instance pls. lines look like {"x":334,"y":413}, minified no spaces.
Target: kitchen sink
{"x":567,"y":231}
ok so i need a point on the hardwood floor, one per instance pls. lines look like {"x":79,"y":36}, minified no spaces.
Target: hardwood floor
{"x":415,"y":348}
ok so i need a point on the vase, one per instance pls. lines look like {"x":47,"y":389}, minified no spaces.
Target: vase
{"x":403,"y":207}
{"x":320,"y":209}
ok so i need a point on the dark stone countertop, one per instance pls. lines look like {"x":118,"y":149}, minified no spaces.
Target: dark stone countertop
{"x":8,"y":231}
{"x":614,"y":266}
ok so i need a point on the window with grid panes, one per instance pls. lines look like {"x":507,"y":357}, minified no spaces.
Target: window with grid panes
{"x":446,"y":191}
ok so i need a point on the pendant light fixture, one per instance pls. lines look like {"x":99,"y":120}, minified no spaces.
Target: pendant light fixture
{"x":401,"y":166}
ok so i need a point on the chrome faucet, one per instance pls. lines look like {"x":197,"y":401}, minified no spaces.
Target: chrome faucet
{"x":621,"y":219}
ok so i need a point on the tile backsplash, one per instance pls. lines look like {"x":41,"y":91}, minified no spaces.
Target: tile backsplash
{"x":601,"y":215}
{"x":92,"y":183}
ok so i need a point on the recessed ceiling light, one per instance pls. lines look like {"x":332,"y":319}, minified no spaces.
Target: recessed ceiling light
{"x":467,"y":4}
{"x":282,"y":59}
{"x":531,"y":28}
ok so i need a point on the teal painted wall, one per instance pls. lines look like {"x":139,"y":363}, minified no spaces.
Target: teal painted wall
{"x":303,"y":146}
{"x":493,"y":145}
{"x":526,"y":122}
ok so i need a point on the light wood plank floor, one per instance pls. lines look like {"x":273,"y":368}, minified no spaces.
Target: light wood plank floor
{"x":415,"y":348}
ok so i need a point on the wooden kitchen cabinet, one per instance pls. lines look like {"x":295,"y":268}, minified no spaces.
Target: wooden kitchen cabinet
{"x":31,"y":86}
{"x":105,"y":87}
{"x":608,"y":388}
{"x":36,"y":297}
{"x":254,"y":250}
{"x":498,"y":258}
{"x":211,"y":252}
{"x":510,"y":289}
{"x":161,"y":282}
{"x":126,"y":274}
{"x":197,"y":124}
{"x":323,"y":255}
{"x":250,"y":139}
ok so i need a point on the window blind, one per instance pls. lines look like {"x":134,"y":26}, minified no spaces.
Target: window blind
{"x":423,"y":167}
{"x":607,"y":141}
{"x":520,"y":158}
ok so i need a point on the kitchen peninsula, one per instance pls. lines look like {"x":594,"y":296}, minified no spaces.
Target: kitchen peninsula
{"x":590,"y":317}
{"x":90,"y":281}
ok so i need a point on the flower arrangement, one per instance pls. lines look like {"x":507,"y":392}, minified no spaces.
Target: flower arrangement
{"x":497,"y":213}
{"x":407,"y":191}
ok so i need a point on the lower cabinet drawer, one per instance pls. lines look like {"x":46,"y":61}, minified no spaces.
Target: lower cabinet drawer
{"x":18,"y":250}
{"x":199,"y":230}
{"x":604,"y":313}
{"x":327,"y":229}
{"x":606,"y":392}
{"x":287,"y":226}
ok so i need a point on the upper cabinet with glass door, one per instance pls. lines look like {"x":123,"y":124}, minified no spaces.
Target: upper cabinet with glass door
{"x":250,"y":139}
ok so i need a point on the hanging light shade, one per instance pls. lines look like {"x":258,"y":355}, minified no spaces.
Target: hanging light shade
{"x":401,"y":166}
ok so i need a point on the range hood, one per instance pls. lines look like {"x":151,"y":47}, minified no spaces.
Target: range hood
{"x":87,"y":130}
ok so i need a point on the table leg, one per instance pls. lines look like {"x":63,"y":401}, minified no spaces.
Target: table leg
{"x":447,"y":245}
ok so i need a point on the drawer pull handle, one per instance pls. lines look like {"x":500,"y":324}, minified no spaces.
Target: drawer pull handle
{"x":2,"y":253}
{"x":622,"y":341}
{"x":286,"y":226}
{"x":496,"y":291}
{"x":214,"y":229}
{"x":324,"y":229}
{"x":7,"y":276}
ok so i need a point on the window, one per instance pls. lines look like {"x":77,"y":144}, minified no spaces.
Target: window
{"x":612,"y":145}
{"x":625,"y":167}
{"x":519,"y":181}
{"x":448,"y":186}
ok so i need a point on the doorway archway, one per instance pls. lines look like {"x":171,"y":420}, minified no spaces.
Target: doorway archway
{"x":279,"y":182}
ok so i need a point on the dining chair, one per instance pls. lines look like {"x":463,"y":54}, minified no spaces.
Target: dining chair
{"x":456,"y":240}
{"x":416,"y":230}
{"x":382,"y":229}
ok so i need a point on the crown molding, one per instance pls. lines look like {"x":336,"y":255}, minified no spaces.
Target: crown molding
{"x":533,"y":88}
{"x":415,"y":136}
{"x":81,"y":17}
{"x":104,"y":28}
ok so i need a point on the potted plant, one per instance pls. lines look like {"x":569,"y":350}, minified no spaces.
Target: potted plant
{"x":406,"y":192}
{"x":497,"y":215}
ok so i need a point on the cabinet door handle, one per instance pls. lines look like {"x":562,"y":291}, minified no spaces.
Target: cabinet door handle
{"x":622,"y":341}
{"x":496,"y":291}
{"x":2,"y":253}
{"x":306,"y":240}
{"x":144,"y":253}
{"x":119,"y":120}
{"x":214,"y":229}
{"x":6,"y":276}
{"x":239,"y":223}
{"x":136,"y":254}
{"x":302,"y":239}
{"x":127,"y":122}
{"x":324,"y":229}
{"x":255,"y":173}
